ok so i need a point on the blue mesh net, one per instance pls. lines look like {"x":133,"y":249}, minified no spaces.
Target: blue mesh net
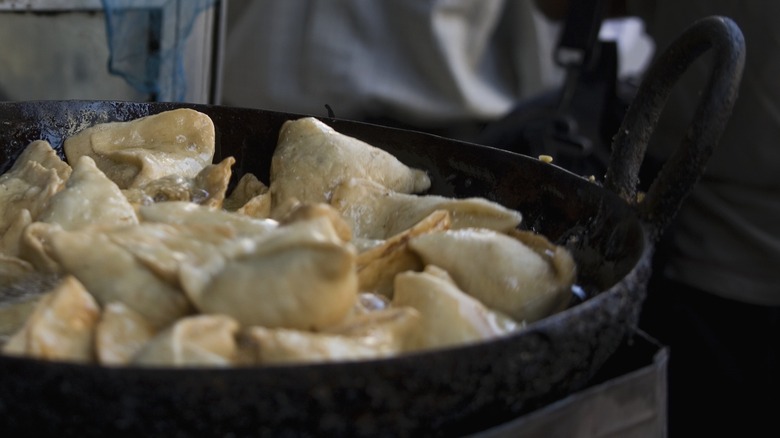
{"x":146,"y":40}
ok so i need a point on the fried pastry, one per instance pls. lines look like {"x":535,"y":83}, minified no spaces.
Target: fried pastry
{"x":89,"y":198}
{"x":187,"y":213}
{"x":374,"y":212}
{"x":10,"y":240}
{"x":120,"y":334}
{"x":449,"y":316}
{"x":34,"y":178}
{"x":133,"y":153}
{"x":207,"y":188}
{"x":61,"y":327}
{"x":41,"y":152}
{"x":506,"y":274}
{"x":374,"y":335}
{"x":299,"y":276}
{"x":20,"y":289}
{"x":312,"y":159}
{"x":199,"y":340}
{"x":112,"y":273}
{"x":378,"y":266}
{"x":248,"y":189}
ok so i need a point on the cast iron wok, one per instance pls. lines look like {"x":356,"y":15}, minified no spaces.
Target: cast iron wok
{"x":448,"y":392}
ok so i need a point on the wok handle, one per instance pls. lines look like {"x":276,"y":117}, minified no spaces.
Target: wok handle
{"x":685,"y":166}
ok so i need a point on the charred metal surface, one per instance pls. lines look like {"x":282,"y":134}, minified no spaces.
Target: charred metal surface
{"x":723,"y":38}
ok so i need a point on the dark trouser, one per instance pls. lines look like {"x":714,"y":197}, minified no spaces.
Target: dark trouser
{"x":724,"y":361}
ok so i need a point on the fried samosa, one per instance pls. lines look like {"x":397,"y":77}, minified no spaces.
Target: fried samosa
{"x":207,"y":188}
{"x":449,"y":316}
{"x":312,"y":159}
{"x":378,"y":266}
{"x":373,"y":335}
{"x":112,"y":273}
{"x":120,"y":333}
{"x":250,"y":197}
{"x":133,"y":153}
{"x":61,"y":327}
{"x":299,"y":276}
{"x":524,"y":282}
{"x":187,"y":213}
{"x":200,"y":340}
{"x":35,"y":177}
{"x":374,"y":212}
{"x":89,"y":198}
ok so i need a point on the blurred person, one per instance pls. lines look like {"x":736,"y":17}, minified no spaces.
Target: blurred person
{"x":715,"y":295}
{"x":442,"y":66}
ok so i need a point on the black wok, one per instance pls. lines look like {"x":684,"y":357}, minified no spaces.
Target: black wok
{"x":448,"y":392}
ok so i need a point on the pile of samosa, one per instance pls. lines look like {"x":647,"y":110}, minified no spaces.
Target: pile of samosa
{"x":132,"y":251}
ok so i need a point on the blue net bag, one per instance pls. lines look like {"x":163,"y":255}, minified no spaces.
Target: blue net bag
{"x":146,"y":40}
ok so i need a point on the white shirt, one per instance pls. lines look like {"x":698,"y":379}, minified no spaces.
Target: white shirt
{"x":422,"y":62}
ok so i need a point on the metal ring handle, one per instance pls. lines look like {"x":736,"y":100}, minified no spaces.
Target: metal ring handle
{"x":685,"y":166}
